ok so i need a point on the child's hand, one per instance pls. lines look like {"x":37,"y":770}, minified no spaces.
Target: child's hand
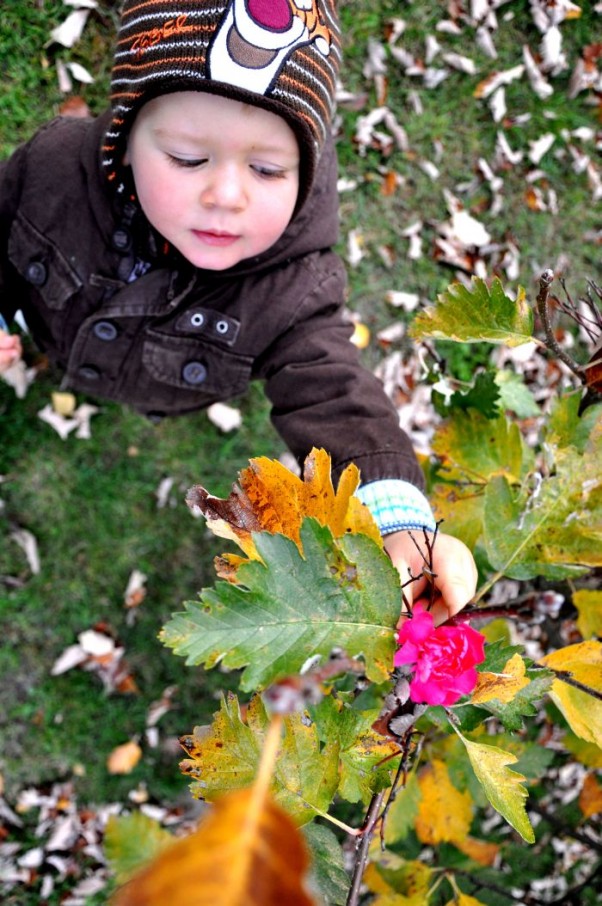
{"x":10,"y":350}
{"x":454,"y":572}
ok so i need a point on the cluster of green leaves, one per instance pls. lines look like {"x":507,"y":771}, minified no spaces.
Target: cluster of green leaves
{"x":297,"y":598}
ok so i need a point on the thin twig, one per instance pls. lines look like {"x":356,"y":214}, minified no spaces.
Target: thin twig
{"x":545,"y":282}
{"x":372,"y":817}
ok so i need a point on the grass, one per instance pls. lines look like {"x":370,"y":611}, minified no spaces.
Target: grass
{"x":91,"y":504}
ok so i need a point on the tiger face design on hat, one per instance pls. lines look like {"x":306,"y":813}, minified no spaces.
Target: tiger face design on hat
{"x":257,"y":36}
{"x":282,"y":55}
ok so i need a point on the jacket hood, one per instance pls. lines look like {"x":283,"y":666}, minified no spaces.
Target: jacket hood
{"x":314,"y":227}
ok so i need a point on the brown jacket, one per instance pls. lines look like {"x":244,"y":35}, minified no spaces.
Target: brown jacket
{"x":177,"y":338}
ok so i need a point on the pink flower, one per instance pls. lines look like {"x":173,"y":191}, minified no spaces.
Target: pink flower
{"x":444,"y":658}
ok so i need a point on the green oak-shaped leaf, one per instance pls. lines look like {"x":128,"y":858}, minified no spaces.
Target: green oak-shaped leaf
{"x":566,"y":428}
{"x":225,"y":756}
{"x":366,"y":758}
{"x":473,"y":448}
{"x":132,"y":841}
{"x":502,"y":786}
{"x":554,"y":533}
{"x":515,"y":396}
{"x":480,"y":314}
{"x":328,"y":872}
{"x":342,"y":593}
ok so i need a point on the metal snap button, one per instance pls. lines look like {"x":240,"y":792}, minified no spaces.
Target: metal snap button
{"x":222,"y":327}
{"x":36,"y":273}
{"x":105,"y":330}
{"x":197,"y":319}
{"x":89,"y":372}
{"x":194,"y":373}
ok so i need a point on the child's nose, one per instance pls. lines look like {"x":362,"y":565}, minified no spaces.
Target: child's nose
{"x":224,"y":187}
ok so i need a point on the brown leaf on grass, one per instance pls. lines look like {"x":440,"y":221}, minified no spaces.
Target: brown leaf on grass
{"x":123,"y":759}
{"x":245,"y":853}
{"x":271,"y":498}
{"x":99,"y":652}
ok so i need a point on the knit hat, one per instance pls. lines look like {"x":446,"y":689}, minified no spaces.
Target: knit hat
{"x":282,"y":55}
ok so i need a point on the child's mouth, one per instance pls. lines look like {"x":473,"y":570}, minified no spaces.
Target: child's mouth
{"x":215,"y":237}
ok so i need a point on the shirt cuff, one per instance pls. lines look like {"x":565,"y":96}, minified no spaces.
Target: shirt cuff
{"x":397,"y":505}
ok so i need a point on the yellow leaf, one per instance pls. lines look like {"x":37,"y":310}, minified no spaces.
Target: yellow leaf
{"x":396,"y":881}
{"x":589,"y":607}
{"x":590,"y":797}
{"x":502,"y":786}
{"x":501,"y":686}
{"x":361,"y":335}
{"x":247,"y":852}
{"x":63,"y":403}
{"x":124,"y":759}
{"x":271,"y":498}
{"x":444,"y":813}
{"x":583,"y":664}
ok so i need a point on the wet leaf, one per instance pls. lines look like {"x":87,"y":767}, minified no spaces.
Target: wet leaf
{"x":479,"y":314}
{"x":245,"y":853}
{"x":287,"y":608}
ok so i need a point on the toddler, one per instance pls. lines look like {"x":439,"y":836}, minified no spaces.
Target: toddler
{"x":180,"y":245}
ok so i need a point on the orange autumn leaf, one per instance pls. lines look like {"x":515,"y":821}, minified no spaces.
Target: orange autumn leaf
{"x":271,"y":498}
{"x":444,"y":813}
{"x":590,"y":797}
{"x":501,"y":686}
{"x":123,"y":759}
{"x":480,"y":850}
{"x":246,"y":852}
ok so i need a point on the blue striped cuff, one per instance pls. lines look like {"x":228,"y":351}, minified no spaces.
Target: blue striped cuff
{"x":397,"y":505}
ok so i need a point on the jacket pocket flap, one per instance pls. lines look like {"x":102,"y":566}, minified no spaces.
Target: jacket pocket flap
{"x":41,"y":264}
{"x":192,"y":365}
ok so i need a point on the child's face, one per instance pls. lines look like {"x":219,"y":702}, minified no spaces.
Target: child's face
{"x":218,"y":179}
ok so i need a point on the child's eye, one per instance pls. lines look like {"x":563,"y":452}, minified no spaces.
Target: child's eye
{"x":185,"y":162}
{"x":268,"y":172}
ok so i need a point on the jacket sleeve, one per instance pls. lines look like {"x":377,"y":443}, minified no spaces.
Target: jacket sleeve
{"x":322,"y":396}
{"x":11,"y":175}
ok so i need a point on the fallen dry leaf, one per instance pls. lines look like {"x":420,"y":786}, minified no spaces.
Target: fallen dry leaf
{"x":123,"y":759}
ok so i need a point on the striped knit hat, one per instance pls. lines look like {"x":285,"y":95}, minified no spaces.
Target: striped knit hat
{"x":282,"y":55}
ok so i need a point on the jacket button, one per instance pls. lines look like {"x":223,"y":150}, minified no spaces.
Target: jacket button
{"x":194,"y":373}
{"x":121,"y":239}
{"x":89,"y":372}
{"x":104,"y":330}
{"x":36,"y":273}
